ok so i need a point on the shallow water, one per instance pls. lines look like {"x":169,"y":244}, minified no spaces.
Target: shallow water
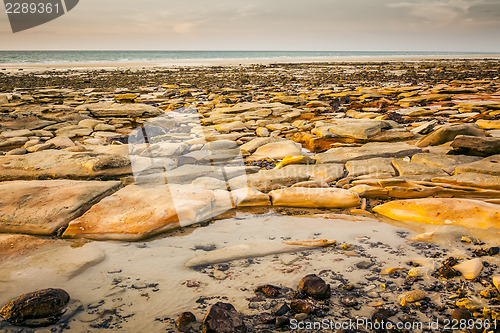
{"x":148,"y":280}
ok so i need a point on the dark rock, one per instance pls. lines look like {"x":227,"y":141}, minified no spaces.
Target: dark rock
{"x":364,"y":264}
{"x":461,"y":314}
{"x":39,"y":308}
{"x":382,"y":314}
{"x":314,"y":286}
{"x":282,"y":321}
{"x":280,"y":309}
{"x":473,"y":145}
{"x":493,"y":251}
{"x":349,"y":301}
{"x":269,"y":290}
{"x":185,"y":321}
{"x":267,"y":318}
{"x":223,"y":318}
{"x":447,"y":271}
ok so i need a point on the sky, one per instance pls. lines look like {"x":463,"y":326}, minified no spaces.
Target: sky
{"x":312,"y":25}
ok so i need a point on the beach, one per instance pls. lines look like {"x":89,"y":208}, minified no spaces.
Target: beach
{"x":290,"y":191}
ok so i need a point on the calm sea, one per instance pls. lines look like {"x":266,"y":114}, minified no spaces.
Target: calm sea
{"x":33,"y":57}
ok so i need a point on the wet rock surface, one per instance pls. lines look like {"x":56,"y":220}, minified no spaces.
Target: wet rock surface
{"x":412,"y":144}
{"x":39,"y":308}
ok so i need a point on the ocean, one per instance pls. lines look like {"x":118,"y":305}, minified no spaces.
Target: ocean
{"x":41,"y":57}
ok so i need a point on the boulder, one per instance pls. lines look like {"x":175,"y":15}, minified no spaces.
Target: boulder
{"x":50,"y":164}
{"x":44,"y":206}
{"x":223,"y":318}
{"x":361,"y":129}
{"x":39,"y":308}
{"x":314,"y":197}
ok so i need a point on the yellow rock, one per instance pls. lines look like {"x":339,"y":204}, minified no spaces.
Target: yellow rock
{"x":314,"y":197}
{"x":488,"y":124}
{"x":470,"y":269}
{"x":411,"y":297}
{"x":294,"y":160}
{"x":444,"y":211}
{"x":394,"y":269}
{"x":496,"y":282}
{"x":426,"y":236}
{"x":465,"y":303}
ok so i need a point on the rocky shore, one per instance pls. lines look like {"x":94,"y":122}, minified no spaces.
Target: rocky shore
{"x":263,"y":196}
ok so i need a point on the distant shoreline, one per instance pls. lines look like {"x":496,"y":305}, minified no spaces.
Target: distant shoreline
{"x":149,"y":64}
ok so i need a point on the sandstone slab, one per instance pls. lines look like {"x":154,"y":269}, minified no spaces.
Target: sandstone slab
{"x":444,"y":211}
{"x":447,"y":163}
{"x":314,"y":197}
{"x":367,"y":151}
{"x":106,"y":109}
{"x":42,"y":207}
{"x":489,"y":166}
{"x":447,"y":133}
{"x":136,"y":212}
{"x":476,"y":145}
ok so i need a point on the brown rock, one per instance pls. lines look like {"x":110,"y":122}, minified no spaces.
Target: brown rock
{"x":448,"y":133}
{"x":185,"y":321}
{"x":269,"y":290}
{"x":314,"y":286}
{"x":223,"y":318}
{"x":472,"y":145}
{"x":39,"y":308}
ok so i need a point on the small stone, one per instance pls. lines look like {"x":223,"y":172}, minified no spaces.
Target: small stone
{"x":470,"y":269}
{"x":219,"y":275}
{"x":381,"y":315}
{"x":307,"y":306}
{"x":39,"y":308}
{"x":223,"y":318}
{"x":314,"y":286}
{"x":280,"y":309}
{"x":282,"y":321}
{"x":267,"y":318}
{"x":185,"y":321}
{"x":300,"y":316}
{"x":460,"y":315}
{"x":105,"y":128}
{"x":411,"y":297}
{"x":269,"y":290}
{"x":349,"y":301}
{"x":17,"y":151}
{"x":262,"y":132}
{"x":364,"y":264}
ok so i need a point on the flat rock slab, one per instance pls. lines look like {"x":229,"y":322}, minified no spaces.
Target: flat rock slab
{"x":476,"y":145}
{"x":471,"y":179}
{"x":130,"y":110}
{"x":276,"y":150}
{"x":136,"y":212}
{"x":447,"y":163}
{"x":15,"y":246}
{"x":53,"y":164}
{"x":449,"y":132}
{"x":444,"y":211}
{"x":60,"y":261}
{"x":370,"y":166}
{"x":369,"y":150}
{"x":489,"y":165}
{"x":314,"y":197}
{"x":356,"y":128}
{"x":405,"y":168}
{"x":44,"y":206}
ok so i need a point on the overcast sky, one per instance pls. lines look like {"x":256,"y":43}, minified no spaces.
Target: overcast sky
{"x":336,"y":25}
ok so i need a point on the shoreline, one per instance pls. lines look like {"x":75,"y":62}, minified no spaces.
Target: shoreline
{"x":150,"y":64}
